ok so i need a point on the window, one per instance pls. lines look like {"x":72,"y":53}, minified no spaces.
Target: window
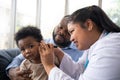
{"x":51,"y":13}
{"x":113,"y":11}
{"x":73,"y":5}
{"x":5,"y":12}
{"x":45,"y":14}
{"x":25,"y":13}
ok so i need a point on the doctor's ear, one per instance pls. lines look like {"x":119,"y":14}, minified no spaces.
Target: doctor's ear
{"x":89,"y":24}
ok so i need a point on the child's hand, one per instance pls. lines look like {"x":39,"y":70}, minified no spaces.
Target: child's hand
{"x":17,"y":74}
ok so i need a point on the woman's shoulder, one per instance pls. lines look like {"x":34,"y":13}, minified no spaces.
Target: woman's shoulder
{"x":110,"y":41}
{"x":106,"y":46}
{"x":111,"y":38}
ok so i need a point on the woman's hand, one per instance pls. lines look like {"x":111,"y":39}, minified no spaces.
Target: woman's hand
{"x":46,"y":52}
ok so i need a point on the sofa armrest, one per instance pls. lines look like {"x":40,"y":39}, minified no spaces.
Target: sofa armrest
{"x":6,"y":57}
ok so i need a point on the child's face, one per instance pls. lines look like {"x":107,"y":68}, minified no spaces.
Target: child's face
{"x":29,"y":48}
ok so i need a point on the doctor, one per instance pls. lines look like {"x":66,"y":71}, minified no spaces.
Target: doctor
{"x":93,"y":31}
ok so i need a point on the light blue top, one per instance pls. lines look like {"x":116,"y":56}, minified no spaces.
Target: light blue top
{"x":70,"y":50}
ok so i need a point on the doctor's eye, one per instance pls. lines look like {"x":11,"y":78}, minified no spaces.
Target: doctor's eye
{"x":71,"y":31}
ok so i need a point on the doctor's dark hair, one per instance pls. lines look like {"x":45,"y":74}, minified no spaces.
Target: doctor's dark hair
{"x":28,"y":31}
{"x":97,"y":15}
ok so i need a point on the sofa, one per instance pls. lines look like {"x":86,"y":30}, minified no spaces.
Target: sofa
{"x":6,"y":56}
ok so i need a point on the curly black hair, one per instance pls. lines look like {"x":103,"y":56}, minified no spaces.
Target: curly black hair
{"x":28,"y":31}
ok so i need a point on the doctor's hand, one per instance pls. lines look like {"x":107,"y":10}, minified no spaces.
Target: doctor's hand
{"x":46,"y":52}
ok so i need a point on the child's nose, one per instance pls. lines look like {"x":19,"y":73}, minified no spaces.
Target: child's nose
{"x":27,"y":50}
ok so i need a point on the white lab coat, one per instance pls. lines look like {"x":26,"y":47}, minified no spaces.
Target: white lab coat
{"x":104,"y":62}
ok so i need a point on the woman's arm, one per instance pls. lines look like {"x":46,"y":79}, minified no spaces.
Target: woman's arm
{"x":59,"y":54}
{"x":47,"y":57}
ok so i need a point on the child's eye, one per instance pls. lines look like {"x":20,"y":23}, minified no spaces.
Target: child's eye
{"x":31,"y":46}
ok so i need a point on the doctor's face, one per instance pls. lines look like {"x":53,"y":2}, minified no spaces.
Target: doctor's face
{"x":79,"y":35}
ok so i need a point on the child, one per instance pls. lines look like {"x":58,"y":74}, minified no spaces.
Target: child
{"x":28,"y":40}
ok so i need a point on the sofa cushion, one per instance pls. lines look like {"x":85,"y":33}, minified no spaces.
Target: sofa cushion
{"x":6,"y":57}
